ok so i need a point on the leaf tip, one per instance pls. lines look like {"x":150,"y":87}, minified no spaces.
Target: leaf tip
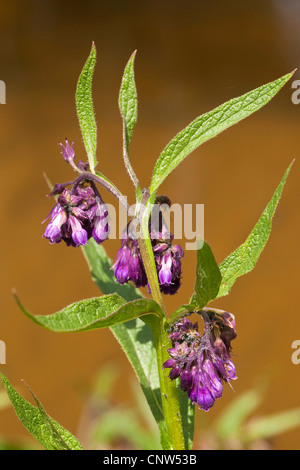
{"x":290,"y":166}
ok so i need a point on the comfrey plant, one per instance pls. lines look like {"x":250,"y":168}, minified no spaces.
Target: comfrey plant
{"x":179,"y":364}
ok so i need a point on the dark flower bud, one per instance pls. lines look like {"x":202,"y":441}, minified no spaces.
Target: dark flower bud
{"x":186,"y":379}
{"x":175,"y":372}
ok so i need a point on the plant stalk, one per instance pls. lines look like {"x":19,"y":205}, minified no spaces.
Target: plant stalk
{"x":168,"y":388}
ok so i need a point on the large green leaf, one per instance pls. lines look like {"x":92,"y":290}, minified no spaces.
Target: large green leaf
{"x":94,"y":313}
{"x":85,"y":110}
{"x":44,"y":429}
{"x":208,"y":277}
{"x":244,"y":258}
{"x":211,"y":124}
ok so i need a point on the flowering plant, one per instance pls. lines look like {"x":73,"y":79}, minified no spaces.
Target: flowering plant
{"x":178,"y":366}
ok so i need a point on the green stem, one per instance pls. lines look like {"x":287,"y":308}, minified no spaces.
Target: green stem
{"x":168,"y":388}
{"x":169,"y":393}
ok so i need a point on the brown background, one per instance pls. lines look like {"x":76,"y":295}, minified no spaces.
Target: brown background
{"x":192,"y":56}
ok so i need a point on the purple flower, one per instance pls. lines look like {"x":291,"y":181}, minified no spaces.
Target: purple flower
{"x":58,"y":218}
{"x":79,"y":234}
{"x":202,"y":361}
{"x":121,"y":265}
{"x":79,"y":214}
{"x":100,"y":221}
{"x":129,"y":265}
{"x":168,"y":262}
{"x":184,"y":331}
{"x":165,"y":271}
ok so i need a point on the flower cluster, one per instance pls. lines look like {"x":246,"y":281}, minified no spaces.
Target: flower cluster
{"x":129,"y":264}
{"x":79,"y":213}
{"x":203,"y":361}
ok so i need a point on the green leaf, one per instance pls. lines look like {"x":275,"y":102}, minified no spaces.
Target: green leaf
{"x":128,"y":109}
{"x":211,"y":124}
{"x":180,"y":312}
{"x":44,"y":429}
{"x":85,"y":110}
{"x":208,"y":277}
{"x":244,"y":258}
{"x":94,"y":313}
{"x":187,"y":411}
{"x":128,"y":100}
{"x":135,"y":337}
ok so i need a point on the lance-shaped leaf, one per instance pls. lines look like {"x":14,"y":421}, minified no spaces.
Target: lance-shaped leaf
{"x":44,"y":429}
{"x":94,"y":313}
{"x":187,"y":410}
{"x":128,"y":109}
{"x":85,"y":110}
{"x":135,"y":337}
{"x":211,"y":124}
{"x":244,"y":258}
{"x":208,"y":277}
{"x":128,"y":101}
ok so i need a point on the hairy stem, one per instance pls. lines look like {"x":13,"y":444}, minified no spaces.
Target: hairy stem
{"x":87,"y":176}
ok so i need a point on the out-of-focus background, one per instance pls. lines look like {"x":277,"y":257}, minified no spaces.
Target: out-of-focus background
{"x":192,"y":56}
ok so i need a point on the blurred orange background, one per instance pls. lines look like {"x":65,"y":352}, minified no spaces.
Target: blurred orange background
{"x":192,"y":56}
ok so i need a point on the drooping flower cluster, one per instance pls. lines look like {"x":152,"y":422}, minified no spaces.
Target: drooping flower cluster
{"x":129,"y":264}
{"x":203,"y":362}
{"x":79,"y":213}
